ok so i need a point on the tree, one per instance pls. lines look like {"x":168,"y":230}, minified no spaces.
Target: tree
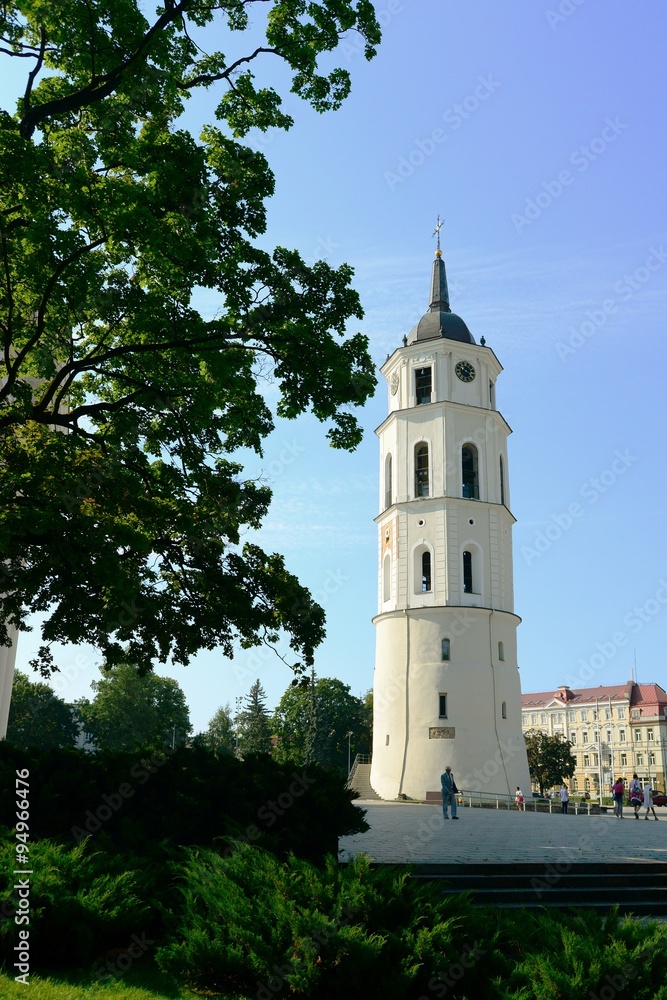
{"x":221,"y":733}
{"x":132,"y":711}
{"x":254,"y":733}
{"x":550,"y":759}
{"x":39,"y":718}
{"x":312,"y":723}
{"x":126,"y":528}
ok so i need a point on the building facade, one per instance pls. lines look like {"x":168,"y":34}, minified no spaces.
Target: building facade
{"x":616,"y":730}
{"x":446,"y":684}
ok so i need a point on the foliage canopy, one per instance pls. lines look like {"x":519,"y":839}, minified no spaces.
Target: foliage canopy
{"x":550,"y":758}
{"x":121,"y":509}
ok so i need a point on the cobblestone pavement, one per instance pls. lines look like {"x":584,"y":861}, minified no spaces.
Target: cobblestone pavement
{"x":411,"y":833}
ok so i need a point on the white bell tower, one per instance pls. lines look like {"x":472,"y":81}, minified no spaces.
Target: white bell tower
{"x":446,"y":687}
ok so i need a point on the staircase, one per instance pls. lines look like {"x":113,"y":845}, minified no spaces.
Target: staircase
{"x":360,"y":778}
{"x":639,"y":888}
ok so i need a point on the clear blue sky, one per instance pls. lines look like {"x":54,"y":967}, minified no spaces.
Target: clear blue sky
{"x":539,"y":135}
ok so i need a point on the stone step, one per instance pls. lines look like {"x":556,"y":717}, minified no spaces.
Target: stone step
{"x":361,"y":782}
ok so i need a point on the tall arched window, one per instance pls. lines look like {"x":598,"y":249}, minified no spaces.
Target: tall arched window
{"x":467,"y":572}
{"x":387,"y":481}
{"x":386,"y":578}
{"x":501,"y":650}
{"x":421,"y":470}
{"x":469,"y":473}
{"x":502,"y":481}
{"x":426,"y":571}
{"x":446,"y":647}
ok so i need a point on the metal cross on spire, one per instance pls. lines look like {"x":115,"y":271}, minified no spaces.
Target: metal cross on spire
{"x":436,"y":231}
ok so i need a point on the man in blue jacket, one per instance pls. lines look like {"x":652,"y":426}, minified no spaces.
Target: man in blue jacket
{"x":449,"y":791}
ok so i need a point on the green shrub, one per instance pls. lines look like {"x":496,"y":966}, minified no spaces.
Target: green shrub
{"x":82,"y":904}
{"x":188,"y":796}
{"x":258,"y":927}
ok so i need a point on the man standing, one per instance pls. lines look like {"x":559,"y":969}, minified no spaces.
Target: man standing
{"x":449,"y":791}
{"x":564,"y":798}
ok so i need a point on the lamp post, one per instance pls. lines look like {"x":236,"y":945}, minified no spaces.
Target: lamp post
{"x":348,"y":736}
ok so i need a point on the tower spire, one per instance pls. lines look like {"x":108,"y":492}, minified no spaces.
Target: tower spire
{"x":439,"y":290}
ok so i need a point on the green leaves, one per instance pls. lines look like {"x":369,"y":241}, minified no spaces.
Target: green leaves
{"x":120,"y":402}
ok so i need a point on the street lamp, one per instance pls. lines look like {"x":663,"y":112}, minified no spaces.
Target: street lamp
{"x":348,"y":736}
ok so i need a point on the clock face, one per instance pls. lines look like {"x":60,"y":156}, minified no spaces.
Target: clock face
{"x":465,"y":371}
{"x":393,"y":383}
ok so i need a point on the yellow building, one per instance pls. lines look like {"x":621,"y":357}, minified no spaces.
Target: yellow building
{"x":616,"y":730}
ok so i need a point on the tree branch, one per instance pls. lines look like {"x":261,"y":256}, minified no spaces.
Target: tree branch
{"x":206,"y":78}
{"x":37,"y":67}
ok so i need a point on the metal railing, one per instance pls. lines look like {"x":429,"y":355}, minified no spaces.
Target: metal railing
{"x":361,"y":758}
{"x":486,"y":800}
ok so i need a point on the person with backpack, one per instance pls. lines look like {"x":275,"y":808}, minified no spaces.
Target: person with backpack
{"x":635,"y":792}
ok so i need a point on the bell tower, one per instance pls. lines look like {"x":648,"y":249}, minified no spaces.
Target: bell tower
{"x":446,"y":685}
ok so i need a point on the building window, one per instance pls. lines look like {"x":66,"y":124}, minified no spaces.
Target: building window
{"x":503,"y":710}
{"x":442,"y":706}
{"x":595,"y":715}
{"x":445,"y":649}
{"x":501,"y":650}
{"x":386,"y":578}
{"x":608,"y":736}
{"x":492,"y":395}
{"x":467,"y":572}
{"x":571,"y":716}
{"x":469,"y":472}
{"x":575,"y":785}
{"x":640,"y":760}
{"x":387,"y":481}
{"x":423,"y":385}
{"x":635,"y":713}
{"x":533,"y":718}
{"x":587,"y":760}
{"x":584,"y":736}
{"x":426,"y":572}
{"x":502,"y":481}
{"x":607,"y":713}
{"x":649,"y":736}
{"x":583,"y":715}
{"x":386,"y":740}
{"x":620,"y":713}
{"x":651,"y":758}
{"x":624,"y":760}
{"x":573,"y":736}
{"x":638,"y":735}
{"x":596,"y":736}
{"x":621,"y":736}
{"x":543,"y":717}
{"x":421,"y":470}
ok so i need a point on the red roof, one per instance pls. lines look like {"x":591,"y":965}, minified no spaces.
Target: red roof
{"x":651,"y":697}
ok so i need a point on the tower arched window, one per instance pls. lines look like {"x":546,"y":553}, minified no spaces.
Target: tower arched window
{"x":426,"y":572}
{"x":469,"y":472}
{"x":421,"y":470}
{"x":467,"y":572}
{"x":502,"y":480}
{"x":387,"y":481}
{"x":386,"y":578}
{"x":446,"y":648}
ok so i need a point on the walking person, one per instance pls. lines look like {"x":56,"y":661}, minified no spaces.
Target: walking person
{"x":636,"y":796}
{"x":519,"y":800}
{"x":449,"y":791}
{"x":564,"y":799}
{"x":617,"y":790}
{"x":648,"y":799}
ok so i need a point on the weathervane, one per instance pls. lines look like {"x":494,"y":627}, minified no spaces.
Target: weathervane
{"x":436,"y":231}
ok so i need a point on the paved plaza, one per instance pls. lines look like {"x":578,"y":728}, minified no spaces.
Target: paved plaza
{"x":417,"y":833}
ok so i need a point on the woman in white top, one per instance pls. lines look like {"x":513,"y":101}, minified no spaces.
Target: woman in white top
{"x":648,"y":802}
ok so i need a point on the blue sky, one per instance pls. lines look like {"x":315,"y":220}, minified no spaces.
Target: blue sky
{"x":537,"y":131}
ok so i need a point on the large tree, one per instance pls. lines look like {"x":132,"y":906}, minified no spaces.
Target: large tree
{"x":312,"y":723}
{"x":39,"y":718}
{"x":550,"y":758}
{"x":131,"y":711}
{"x":121,"y":404}
{"x":220,"y":735}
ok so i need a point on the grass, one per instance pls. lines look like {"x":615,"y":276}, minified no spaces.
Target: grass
{"x":145,"y":984}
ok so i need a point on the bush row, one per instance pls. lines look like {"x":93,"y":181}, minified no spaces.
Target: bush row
{"x":188,"y":796}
